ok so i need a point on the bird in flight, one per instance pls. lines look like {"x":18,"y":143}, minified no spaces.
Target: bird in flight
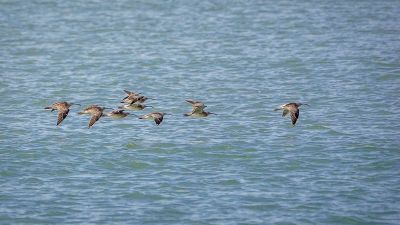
{"x":63,"y":110}
{"x":96,"y":112}
{"x":293,"y":109}
{"x":197,"y":109}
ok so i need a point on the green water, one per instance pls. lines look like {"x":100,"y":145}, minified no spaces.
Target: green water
{"x":245,"y":165}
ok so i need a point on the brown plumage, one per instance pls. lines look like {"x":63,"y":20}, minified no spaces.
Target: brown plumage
{"x":63,"y":110}
{"x":156,"y":116}
{"x":197,"y":109}
{"x":135,"y":107}
{"x":293,"y":109}
{"x":96,"y":112}
{"x":117,"y":114}
{"x":134,"y":97}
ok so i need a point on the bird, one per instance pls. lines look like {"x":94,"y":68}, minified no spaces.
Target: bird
{"x":135,"y":107}
{"x":293,"y":109}
{"x":130,"y":99}
{"x":197,"y":109}
{"x":156,"y":116}
{"x":117,"y":114}
{"x":63,"y":110}
{"x":134,"y":97}
{"x":96,"y":112}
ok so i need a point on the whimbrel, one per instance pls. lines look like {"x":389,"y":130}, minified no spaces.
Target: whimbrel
{"x":96,"y":112}
{"x":134,"y":97}
{"x":117,"y":114}
{"x":293,"y":109}
{"x":134,"y":107}
{"x":197,"y":109}
{"x":156,"y":116}
{"x":63,"y":110}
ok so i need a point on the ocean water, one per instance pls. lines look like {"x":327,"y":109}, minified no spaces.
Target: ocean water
{"x":340,"y":164}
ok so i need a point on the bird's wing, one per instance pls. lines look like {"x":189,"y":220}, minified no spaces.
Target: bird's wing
{"x":131,"y":92}
{"x":127,"y":92}
{"x":294,"y":115}
{"x":158,"y":119}
{"x":62,"y":114}
{"x":285,"y":112}
{"x":192,"y":101}
{"x":94,"y":118}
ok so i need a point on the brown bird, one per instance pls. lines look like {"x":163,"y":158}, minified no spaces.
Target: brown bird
{"x":156,"y":116}
{"x":96,"y":112}
{"x":117,"y":114}
{"x":130,"y":99}
{"x":134,"y":107}
{"x":63,"y":110}
{"x":134,"y":97}
{"x":294,"y":110}
{"x":197,"y":109}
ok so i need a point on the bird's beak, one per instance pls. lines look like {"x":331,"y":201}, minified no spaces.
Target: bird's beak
{"x":75,"y":104}
{"x":306,"y":104}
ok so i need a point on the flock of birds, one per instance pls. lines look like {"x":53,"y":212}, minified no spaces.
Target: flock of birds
{"x":133,"y":101}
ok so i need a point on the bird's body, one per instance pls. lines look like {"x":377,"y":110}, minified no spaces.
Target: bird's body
{"x":130,"y":99}
{"x":96,"y":112}
{"x":62,"y":108}
{"x":198,"y":114}
{"x":156,"y":116}
{"x":134,"y":107}
{"x":197,"y":109}
{"x":117,"y":114}
{"x":293,"y":109}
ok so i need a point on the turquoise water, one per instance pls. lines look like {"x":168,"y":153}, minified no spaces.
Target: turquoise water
{"x":245,"y":165}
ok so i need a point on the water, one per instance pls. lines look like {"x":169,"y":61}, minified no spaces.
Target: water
{"x":246,"y":165}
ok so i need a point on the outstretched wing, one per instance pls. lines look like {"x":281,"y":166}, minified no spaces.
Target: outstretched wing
{"x":62,"y":114}
{"x":294,"y":115}
{"x":158,"y":120}
{"x":94,"y":118}
{"x":193,"y":101}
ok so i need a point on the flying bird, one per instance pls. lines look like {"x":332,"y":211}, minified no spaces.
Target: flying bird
{"x":63,"y":110}
{"x":293,"y":109}
{"x":133,"y":97}
{"x":156,"y":116}
{"x":134,"y":107}
{"x":117,"y":114}
{"x":197,"y":109}
{"x":96,"y":112}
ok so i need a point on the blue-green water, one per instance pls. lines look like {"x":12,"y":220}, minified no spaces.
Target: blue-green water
{"x":246,"y":165}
